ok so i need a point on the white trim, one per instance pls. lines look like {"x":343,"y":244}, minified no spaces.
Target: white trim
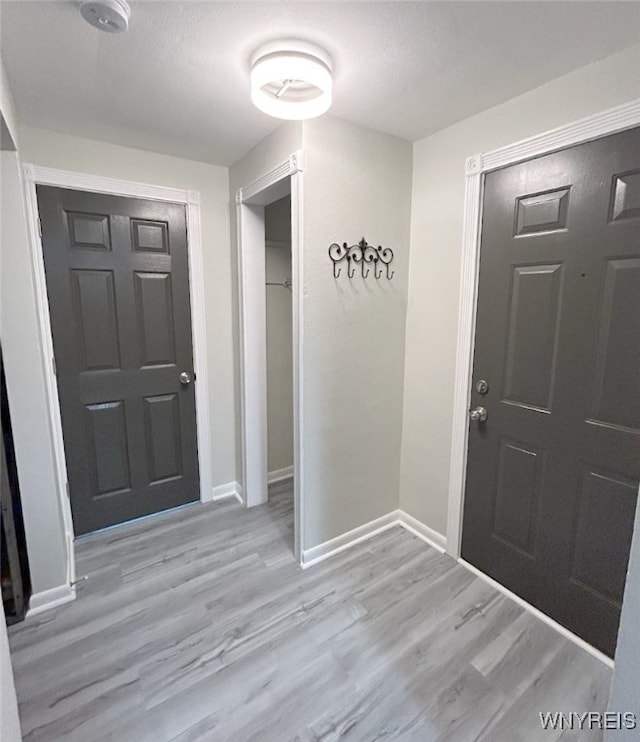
{"x":372,"y":528}
{"x":44,"y":327}
{"x":51,"y":598}
{"x":225,"y":491}
{"x":253,"y":352}
{"x":436,"y":540}
{"x":297,"y":314}
{"x":279,"y":475}
{"x":347,"y":540}
{"x":290,"y":166}
{"x":285,"y":177}
{"x":539,"y":614}
{"x":593,"y":127}
{"x":464,"y":358}
{"x":80,"y":181}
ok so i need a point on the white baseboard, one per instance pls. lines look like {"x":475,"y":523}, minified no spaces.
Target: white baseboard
{"x":347,"y":540}
{"x":435,"y":539}
{"x":362,"y":533}
{"x":278,"y":475}
{"x":539,"y":614}
{"x":224,"y":491}
{"x":51,"y":598}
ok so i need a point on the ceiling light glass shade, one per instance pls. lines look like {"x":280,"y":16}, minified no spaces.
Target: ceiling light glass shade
{"x":293,"y":84}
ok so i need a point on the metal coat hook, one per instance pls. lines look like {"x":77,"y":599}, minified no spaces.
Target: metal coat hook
{"x":364,"y":254}
{"x":386,"y":256}
{"x":377,"y":275}
{"x":338,"y":253}
{"x":350,"y":259}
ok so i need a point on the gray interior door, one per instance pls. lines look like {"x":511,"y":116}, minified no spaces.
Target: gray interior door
{"x":118,"y":288}
{"x":552,"y":476}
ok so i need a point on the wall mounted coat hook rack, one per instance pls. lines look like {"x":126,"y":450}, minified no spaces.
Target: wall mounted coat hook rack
{"x":363,"y":255}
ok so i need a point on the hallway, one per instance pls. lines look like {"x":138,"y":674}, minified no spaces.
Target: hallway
{"x":190,"y":617}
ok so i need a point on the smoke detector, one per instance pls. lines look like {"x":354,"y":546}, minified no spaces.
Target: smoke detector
{"x":291,"y":80}
{"x":107,"y":15}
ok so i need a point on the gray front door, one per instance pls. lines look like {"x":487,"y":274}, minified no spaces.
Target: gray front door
{"x":552,"y":476}
{"x":118,"y":288}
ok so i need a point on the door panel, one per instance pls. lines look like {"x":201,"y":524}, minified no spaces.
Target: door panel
{"x":517,"y":496}
{"x":155,"y":317}
{"x":606,"y":512}
{"x":94,"y":314}
{"x":616,"y":389}
{"x":162,"y":424}
{"x":109,"y":461}
{"x":552,"y":476}
{"x":533,"y":335}
{"x":118,"y":288}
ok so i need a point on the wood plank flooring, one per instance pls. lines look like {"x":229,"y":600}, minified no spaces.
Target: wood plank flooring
{"x":199,"y":625}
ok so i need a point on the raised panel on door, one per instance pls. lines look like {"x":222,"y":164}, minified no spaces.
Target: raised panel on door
{"x":118,"y":289}
{"x":520,"y":473}
{"x":88,"y":231}
{"x":552,"y":475}
{"x":542,"y":212}
{"x":162,"y":432}
{"x":94,"y":308}
{"x":155,"y":318}
{"x":107,"y":433}
{"x":604,"y":519}
{"x":616,"y":388}
{"x":625,"y":196}
{"x":534,"y":314}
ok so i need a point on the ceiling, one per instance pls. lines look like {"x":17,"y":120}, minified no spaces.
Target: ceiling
{"x":177,"y":81}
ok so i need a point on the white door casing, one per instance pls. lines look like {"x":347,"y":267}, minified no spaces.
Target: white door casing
{"x":250,"y":202}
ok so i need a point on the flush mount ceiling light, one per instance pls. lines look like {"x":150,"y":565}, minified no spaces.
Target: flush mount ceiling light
{"x":107,"y":15}
{"x":291,"y":80}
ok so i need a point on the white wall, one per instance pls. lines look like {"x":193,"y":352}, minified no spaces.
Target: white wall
{"x":9,"y":721}
{"x":277,"y":220}
{"x":43,"y":519}
{"x":625,"y":689}
{"x":279,"y":335}
{"x":44,"y":522}
{"x":279,"y":358}
{"x":7,"y":107}
{"x":357,"y":183}
{"x":12,"y":238}
{"x":436,"y":231}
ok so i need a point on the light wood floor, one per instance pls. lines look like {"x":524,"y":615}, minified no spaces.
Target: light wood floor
{"x":199,"y":625}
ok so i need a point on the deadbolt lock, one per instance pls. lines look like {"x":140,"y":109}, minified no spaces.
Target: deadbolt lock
{"x":482,"y":387}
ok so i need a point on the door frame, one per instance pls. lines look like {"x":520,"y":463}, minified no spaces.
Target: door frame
{"x":36,"y":175}
{"x":599,"y":125}
{"x":250,"y":199}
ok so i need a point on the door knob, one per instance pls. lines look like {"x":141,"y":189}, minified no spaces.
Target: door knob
{"x":479,"y":414}
{"x":185,"y":378}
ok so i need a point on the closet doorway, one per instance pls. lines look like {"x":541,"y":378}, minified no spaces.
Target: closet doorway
{"x":279,"y":340}
{"x":269,"y":241}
